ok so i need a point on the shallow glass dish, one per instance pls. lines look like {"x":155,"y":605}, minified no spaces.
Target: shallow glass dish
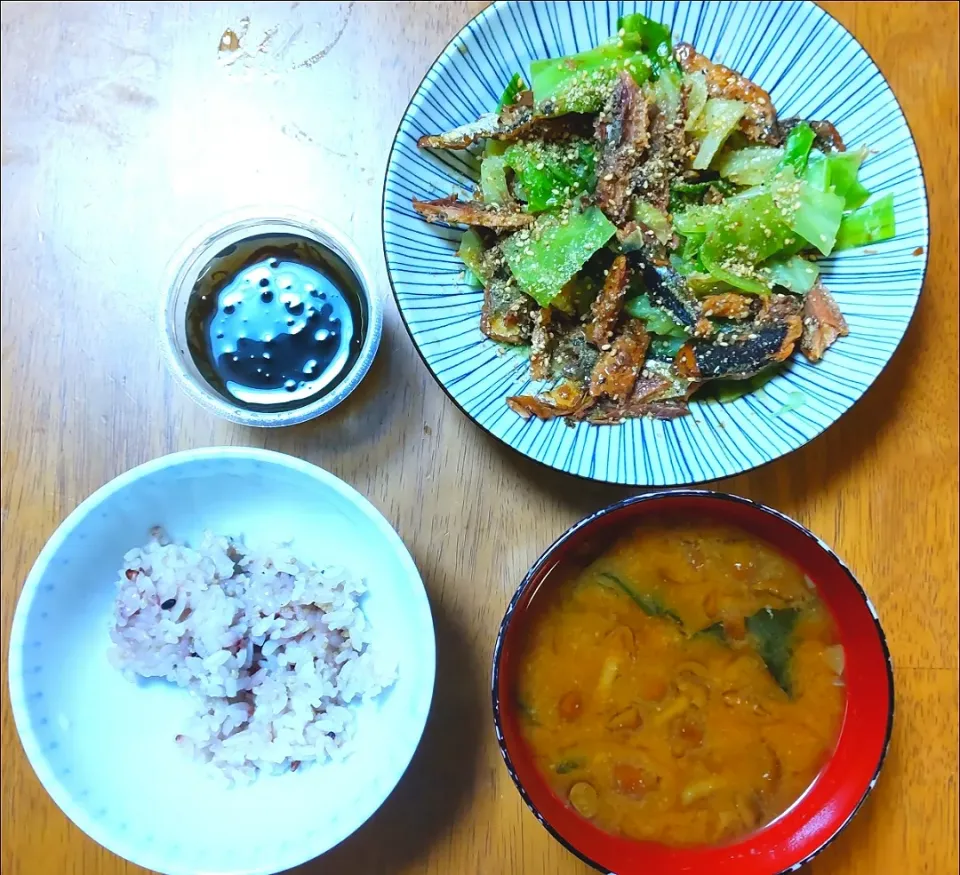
{"x":197,"y":252}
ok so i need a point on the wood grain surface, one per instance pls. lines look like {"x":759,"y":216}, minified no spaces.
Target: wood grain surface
{"x":123,"y":128}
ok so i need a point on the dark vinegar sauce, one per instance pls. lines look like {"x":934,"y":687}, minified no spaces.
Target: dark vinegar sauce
{"x":275,"y":321}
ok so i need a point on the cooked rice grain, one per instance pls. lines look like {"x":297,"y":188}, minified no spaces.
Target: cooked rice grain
{"x":275,"y":649}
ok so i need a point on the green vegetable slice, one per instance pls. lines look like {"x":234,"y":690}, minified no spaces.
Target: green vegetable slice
{"x":652,"y":33}
{"x":870,"y":224}
{"x":698,"y":219}
{"x":658,"y":320}
{"x":771,"y":632}
{"x":690,"y":252}
{"x":737,"y":274}
{"x":666,"y":348}
{"x":512,"y":91}
{"x":471,"y":279}
{"x":667,"y":92}
{"x":655,"y":220}
{"x":750,"y":165}
{"x":720,"y":118}
{"x":792,"y":272}
{"x":581,"y":82}
{"x":696,"y":98}
{"x":545,"y":257}
{"x":843,"y":169}
{"x":749,"y":231}
{"x":471,"y":253}
{"x":817,"y":173}
{"x":493,"y":180}
{"x":693,"y":193}
{"x":814,"y":215}
{"x":549,"y":174}
{"x":703,"y":284}
{"x":653,"y":37}
{"x":838,"y":172}
{"x":796,"y":149}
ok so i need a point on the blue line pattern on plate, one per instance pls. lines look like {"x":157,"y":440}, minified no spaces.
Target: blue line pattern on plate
{"x":813,"y":68}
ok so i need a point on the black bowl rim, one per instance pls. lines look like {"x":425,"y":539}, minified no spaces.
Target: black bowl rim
{"x":573,"y":531}
{"x":694,"y":482}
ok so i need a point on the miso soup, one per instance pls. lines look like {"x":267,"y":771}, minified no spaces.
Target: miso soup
{"x":686,"y":687}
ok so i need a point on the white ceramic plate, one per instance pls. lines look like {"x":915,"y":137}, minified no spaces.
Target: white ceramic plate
{"x":103,"y":746}
{"x":813,"y":68}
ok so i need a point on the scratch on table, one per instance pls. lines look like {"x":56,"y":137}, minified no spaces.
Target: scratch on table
{"x":289,"y":41}
{"x":295,"y":132}
{"x":83,"y":115}
{"x":319,"y":56}
{"x":75,"y":254}
{"x":269,"y":34}
{"x":279,"y":41}
{"x":132,"y":95}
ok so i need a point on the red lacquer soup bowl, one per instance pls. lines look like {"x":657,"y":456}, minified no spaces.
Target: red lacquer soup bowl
{"x":840,"y":788}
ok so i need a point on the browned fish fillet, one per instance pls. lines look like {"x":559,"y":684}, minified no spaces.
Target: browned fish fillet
{"x":728,"y":305}
{"x":667,"y":155}
{"x":616,"y":371}
{"x":540,"y":344}
{"x":515,"y":122}
{"x":827,"y":136}
{"x":742,"y":353}
{"x":452,"y":211}
{"x":622,"y":131}
{"x":506,"y":315}
{"x":606,"y":308}
{"x":566,"y":399}
{"x":823,"y":323}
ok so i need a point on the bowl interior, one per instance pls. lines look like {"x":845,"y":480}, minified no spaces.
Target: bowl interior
{"x":813,"y":68}
{"x":194,"y":256}
{"x":838,"y":790}
{"x":103,"y":746}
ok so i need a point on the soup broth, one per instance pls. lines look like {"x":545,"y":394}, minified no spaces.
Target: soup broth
{"x":686,"y":687}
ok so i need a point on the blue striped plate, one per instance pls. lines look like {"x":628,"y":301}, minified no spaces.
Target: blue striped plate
{"x":813,"y":68}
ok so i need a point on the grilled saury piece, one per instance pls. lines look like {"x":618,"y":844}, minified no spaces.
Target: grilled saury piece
{"x":453,"y":211}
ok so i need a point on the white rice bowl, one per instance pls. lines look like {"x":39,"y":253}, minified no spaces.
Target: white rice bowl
{"x":274,"y":649}
{"x":105,"y":747}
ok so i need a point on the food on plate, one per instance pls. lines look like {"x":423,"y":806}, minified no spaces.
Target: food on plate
{"x":275,"y":649}
{"x":685,"y":687}
{"x":645,"y":224}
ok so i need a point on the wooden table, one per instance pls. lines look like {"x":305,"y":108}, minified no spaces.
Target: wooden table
{"x":124,"y":128}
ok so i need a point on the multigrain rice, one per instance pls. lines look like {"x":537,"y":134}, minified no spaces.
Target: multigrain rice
{"x":274,"y":649}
